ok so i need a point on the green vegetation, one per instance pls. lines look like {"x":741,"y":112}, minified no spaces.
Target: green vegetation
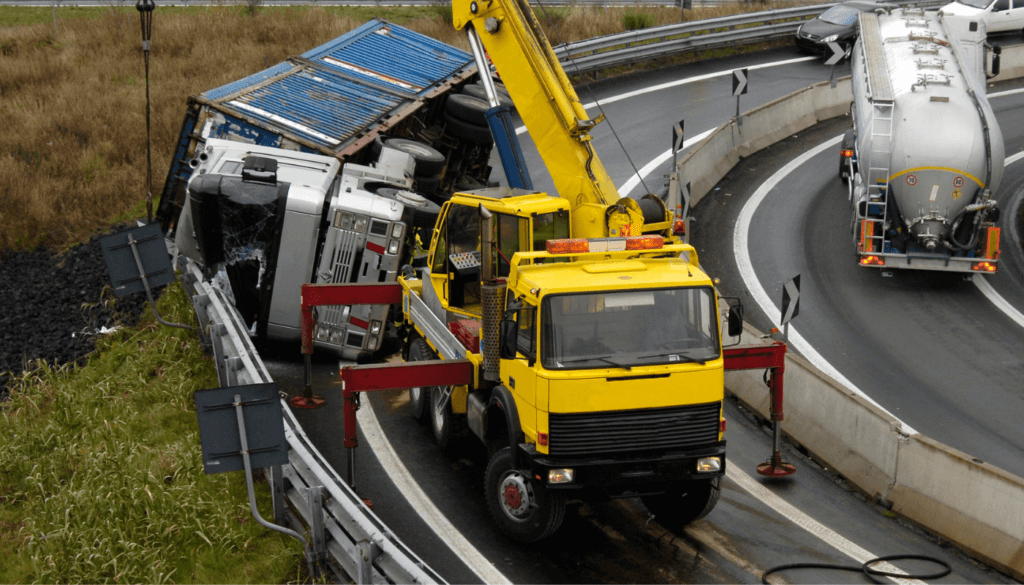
{"x":636,"y":20}
{"x":101,"y":475}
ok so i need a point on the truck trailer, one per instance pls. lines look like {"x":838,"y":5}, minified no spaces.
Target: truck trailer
{"x":326,"y":168}
{"x":925,"y":154}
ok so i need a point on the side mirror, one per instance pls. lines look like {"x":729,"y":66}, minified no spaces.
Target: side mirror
{"x":507,"y":337}
{"x":735,"y":320}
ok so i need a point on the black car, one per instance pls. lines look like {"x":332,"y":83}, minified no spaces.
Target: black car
{"x":837,"y":24}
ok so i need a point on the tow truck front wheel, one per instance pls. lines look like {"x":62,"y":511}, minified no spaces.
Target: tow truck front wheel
{"x":419,"y":351}
{"x":524,"y":509}
{"x":684,"y":503}
{"x":441,"y":418}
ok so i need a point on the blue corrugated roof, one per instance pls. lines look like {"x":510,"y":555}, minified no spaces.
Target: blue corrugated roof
{"x":255,"y":79}
{"x":346,"y":92}
{"x":397,"y":54}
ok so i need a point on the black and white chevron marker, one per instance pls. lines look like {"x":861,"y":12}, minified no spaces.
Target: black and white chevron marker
{"x":791,"y":299}
{"x":739,"y":82}
{"x":837,"y":53}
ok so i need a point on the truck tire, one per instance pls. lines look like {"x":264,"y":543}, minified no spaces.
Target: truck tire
{"x":428,"y":160}
{"x":419,"y":351}
{"x":524,"y":509}
{"x":477,"y":90}
{"x":420,"y":212}
{"x":427,"y":185}
{"x":440,"y":414}
{"x":684,"y":503}
{"x":467,"y":107}
{"x":467,"y":131}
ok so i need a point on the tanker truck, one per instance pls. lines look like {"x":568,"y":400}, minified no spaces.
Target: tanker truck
{"x":925,"y":154}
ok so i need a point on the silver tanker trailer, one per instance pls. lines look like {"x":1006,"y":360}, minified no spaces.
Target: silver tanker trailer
{"x":925,"y":154}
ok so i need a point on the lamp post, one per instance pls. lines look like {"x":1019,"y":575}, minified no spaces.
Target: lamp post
{"x":145,"y":8}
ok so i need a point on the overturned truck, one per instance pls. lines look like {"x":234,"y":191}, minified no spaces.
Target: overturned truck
{"x":326,"y":168}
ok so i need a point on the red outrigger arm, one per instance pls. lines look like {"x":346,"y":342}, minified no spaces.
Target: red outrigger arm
{"x":770,"y":357}
{"x":393,"y":376}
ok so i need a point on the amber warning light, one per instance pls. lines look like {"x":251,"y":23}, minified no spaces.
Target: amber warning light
{"x":584,"y":245}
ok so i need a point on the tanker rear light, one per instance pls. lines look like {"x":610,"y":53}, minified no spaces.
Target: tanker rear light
{"x":584,"y":245}
{"x":983,"y":267}
{"x":847,"y":153}
{"x":872,"y":261}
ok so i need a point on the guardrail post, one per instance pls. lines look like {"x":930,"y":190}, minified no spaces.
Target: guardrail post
{"x":277,"y":494}
{"x":368,"y":551}
{"x":314,"y":498}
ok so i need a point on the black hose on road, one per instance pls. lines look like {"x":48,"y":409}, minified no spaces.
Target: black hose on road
{"x":868,"y":570}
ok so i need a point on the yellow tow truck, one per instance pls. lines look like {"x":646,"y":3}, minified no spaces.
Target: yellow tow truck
{"x":592,"y":336}
{"x":572,"y":333}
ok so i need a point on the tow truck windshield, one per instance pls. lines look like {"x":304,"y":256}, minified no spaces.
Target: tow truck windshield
{"x":629,"y":329}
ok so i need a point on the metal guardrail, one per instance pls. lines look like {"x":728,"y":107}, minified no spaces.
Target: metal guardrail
{"x":346,"y":537}
{"x":672,"y":39}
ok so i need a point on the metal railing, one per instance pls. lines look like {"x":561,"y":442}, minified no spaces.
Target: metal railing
{"x":633,"y":46}
{"x":346,"y":537}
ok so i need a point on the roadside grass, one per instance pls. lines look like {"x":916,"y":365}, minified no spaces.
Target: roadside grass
{"x":101,"y":475}
{"x":73,"y":150}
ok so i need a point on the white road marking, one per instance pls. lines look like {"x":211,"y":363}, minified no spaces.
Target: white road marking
{"x":419,"y":501}
{"x":817,"y":529}
{"x":656,"y":162}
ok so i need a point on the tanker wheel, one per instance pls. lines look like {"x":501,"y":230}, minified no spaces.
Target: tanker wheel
{"x":523,"y":508}
{"x":684,"y":503}
{"x":419,"y":351}
{"x":441,"y":416}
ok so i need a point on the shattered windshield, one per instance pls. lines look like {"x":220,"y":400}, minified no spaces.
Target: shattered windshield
{"x":629,"y":329}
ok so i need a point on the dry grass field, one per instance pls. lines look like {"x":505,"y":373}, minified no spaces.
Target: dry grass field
{"x":73,"y":93}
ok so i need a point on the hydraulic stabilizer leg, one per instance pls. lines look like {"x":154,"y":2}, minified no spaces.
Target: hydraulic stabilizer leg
{"x":773,"y":359}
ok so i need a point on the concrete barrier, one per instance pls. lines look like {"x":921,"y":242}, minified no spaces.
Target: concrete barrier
{"x":976,"y":505}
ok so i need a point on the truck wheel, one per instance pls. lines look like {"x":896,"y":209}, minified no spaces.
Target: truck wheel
{"x":524,"y":509}
{"x":468,"y":107}
{"x":427,"y":185}
{"x":419,"y":351}
{"x":467,"y":131}
{"x":420,"y":212}
{"x":428,"y":160}
{"x":441,"y":417}
{"x":477,"y":90}
{"x":684,"y":503}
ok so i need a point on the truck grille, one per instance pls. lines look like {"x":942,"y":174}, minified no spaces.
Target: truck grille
{"x":651,"y":429}
{"x":342,"y":266}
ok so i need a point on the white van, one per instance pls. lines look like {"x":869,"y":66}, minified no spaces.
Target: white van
{"x":999,"y":15}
